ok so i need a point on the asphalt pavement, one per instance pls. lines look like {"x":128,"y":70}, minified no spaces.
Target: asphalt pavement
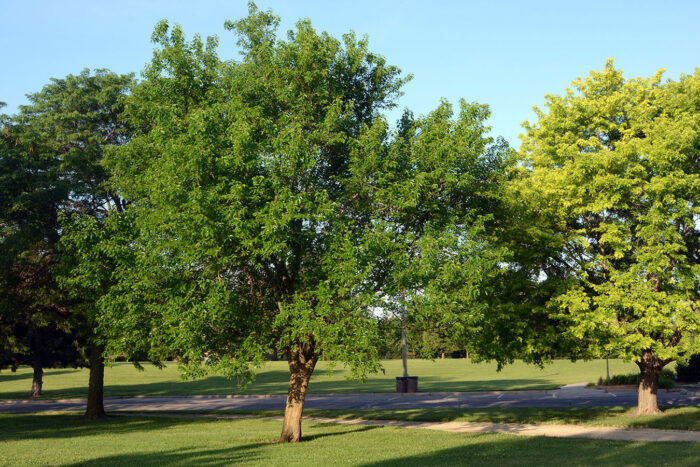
{"x":576,"y":395}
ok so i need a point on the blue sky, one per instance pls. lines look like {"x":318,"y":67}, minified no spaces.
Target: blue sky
{"x":506,"y":54}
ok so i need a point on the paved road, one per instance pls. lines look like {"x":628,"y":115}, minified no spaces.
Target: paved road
{"x":568,"y":396}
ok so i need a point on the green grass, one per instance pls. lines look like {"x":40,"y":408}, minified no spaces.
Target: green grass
{"x":67,"y":440}
{"x":675,"y":418}
{"x":681,"y":418}
{"x":438,"y":375}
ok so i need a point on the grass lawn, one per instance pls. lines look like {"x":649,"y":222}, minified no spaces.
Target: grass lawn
{"x":673,"y":418}
{"x":438,"y":375}
{"x":678,"y":418}
{"x":31,"y":439}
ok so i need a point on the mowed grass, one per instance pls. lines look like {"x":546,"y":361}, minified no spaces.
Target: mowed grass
{"x":439,"y":375}
{"x":676,"y":418}
{"x":672,"y":418}
{"x":68,"y":440}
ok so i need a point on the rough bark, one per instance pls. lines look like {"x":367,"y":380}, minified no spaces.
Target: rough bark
{"x":301,"y":366}
{"x":37,"y":381}
{"x":95,"y":403}
{"x":650,"y":370}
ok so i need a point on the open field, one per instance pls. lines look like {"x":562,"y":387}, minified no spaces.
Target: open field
{"x":67,"y":440}
{"x":438,"y":375}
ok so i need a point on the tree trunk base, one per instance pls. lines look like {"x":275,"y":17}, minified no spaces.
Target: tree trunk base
{"x":95,"y":415}
{"x":37,"y":382}
{"x":638,"y":413}
{"x":649,"y":371}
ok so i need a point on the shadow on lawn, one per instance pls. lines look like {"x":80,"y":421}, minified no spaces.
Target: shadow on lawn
{"x":230,"y":456}
{"x":9,"y":375}
{"x":275,"y":382}
{"x":495,"y":415}
{"x":16,"y":427}
{"x":540,"y":451}
{"x":477,"y":450}
{"x":251,"y":453}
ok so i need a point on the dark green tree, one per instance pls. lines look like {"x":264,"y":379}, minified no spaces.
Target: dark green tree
{"x":34,"y":322}
{"x":67,"y":125}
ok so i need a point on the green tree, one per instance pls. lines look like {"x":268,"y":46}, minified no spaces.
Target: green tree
{"x":432,"y":189}
{"x":611,"y":177}
{"x":261,"y":194}
{"x":68,"y":124}
{"x":34,"y":322}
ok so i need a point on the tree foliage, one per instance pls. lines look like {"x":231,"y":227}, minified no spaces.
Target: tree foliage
{"x":52,"y":154}
{"x":613,"y":179}
{"x":276,"y":210}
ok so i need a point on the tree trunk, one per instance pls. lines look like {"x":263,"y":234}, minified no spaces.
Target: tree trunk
{"x":95,"y":403}
{"x":300,"y":369}
{"x":650,"y":370}
{"x":404,"y":349}
{"x":37,"y":381}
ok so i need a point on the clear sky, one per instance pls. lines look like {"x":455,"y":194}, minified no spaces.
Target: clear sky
{"x":507,"y":54}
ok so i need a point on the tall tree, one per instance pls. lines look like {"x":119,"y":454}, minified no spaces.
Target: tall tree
{"x":72,"y":120}
{"x":255,"y":192}
{"x":613,"y":181}
{"x":34,"y":318}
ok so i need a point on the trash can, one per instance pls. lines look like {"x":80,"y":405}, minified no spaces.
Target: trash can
{"x":412,"y":384}
{"x":401,"y":384}
{"x":407,"y":384}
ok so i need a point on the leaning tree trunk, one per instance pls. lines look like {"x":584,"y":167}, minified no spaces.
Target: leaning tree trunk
{"x":650,"y":370}
{"x":95,"y":403}
{"x":37,"y":380}
{"x":301,"y":366}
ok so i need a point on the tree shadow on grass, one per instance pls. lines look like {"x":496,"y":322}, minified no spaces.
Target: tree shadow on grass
{"x":511,"y":450}
{"x":308,"y":438}
{"x":275,"y":383}
{"x":9,"y":375}
{"x":35,"y":426}
{"x":491,"y":414}
{"x":185,"y":456}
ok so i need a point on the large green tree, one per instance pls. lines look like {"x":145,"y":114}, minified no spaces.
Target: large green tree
{"x":612,"y":181}
{"x":34,"y":320}
{"x":261,"y":191}
{"x":67,"y":125}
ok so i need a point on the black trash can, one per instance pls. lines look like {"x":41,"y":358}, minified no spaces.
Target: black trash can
{"x":407,"y":384}
{"x":412,"y":384}
{"x":401,"y":384}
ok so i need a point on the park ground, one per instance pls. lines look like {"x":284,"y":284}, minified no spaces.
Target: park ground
{"x":122,"y":379}
{"x":65,"y":439}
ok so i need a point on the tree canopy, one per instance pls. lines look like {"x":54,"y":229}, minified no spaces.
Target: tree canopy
{"x":275,"y":209}
{"x":611,"y":170}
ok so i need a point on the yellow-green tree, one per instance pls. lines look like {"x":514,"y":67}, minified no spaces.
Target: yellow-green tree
{"x":611,"y":170}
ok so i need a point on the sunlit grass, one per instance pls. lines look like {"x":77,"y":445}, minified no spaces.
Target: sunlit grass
{"x":438,"y":375}
{"x":67,"y":440}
